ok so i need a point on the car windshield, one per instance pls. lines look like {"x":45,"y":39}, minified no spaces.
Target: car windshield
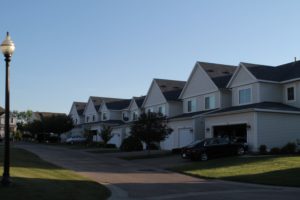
{"x":196,"y":143}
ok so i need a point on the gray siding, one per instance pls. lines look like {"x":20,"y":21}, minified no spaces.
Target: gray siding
{"x":270,"y":92}
{"x":276,"y":130}
{"x":225,"y":96}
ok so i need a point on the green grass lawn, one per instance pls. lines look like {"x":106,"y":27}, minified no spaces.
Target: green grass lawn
{"x":35,"y":179}
{"x":270,"y":170}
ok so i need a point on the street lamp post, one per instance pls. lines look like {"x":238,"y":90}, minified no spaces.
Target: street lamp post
{"x":7,"y":48}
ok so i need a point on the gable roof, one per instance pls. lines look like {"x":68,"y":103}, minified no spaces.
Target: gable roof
{"x":216,"y":70}
{"x":80,"y":106}
{"x":172,"y":95}
{"x":139,"y":100}
{"x":118,"y":105}
{"x":278,"y":73}
{"x":169,"y":88}
{"x":220,"y":74}
{"x":97,"y":101}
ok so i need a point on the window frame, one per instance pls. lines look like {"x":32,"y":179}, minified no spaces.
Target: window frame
{"x":213,"y":106}
{"x":287,"y":94}
{"x":192,"y":107}
{"x":239,"y":97}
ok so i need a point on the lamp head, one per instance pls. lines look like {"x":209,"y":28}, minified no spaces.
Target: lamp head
{"x":7,"y":46}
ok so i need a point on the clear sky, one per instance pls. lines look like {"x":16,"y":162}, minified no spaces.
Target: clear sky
{"x":68,"y":50}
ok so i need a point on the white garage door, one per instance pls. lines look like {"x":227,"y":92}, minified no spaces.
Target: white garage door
{"x":185,"y":136}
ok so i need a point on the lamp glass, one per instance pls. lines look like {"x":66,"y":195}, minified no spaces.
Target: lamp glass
{"x":7,"y":46}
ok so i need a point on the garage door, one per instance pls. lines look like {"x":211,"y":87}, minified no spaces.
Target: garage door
{"x":185,"y":136}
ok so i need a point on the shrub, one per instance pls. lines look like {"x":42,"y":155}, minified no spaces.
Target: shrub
{"x":263,"y":149}
{"x":131,"y":144}
{"x":275,"y":150}
{"x":152,"y":146}
{"x":111,"y":146}
{"x":289,"y":148}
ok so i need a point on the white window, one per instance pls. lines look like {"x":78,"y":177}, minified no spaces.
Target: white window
{"x":245,"y":96}
{"x":162,"y":110}
{"x":87,"y":119}
{"x":210,"y":102}
{"x":290,"y":93}
{"x":134,"y":115}
{"x":104,"y":116}
{"x":191,"y":105}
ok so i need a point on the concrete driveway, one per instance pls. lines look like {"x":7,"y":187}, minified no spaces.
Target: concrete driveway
{"x":145,"y":179}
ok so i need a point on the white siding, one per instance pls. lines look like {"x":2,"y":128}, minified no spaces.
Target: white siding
{"x":172,"y":141}
{"x":175,"y":108}
{"x":242,"y":77}
{"x":276,"y":130}
{"x":199,"y":83}
{"x":295,"y":103}
{"x":154,"y":96}
{"x":225,"y":96}
{"x":254,"y":92}
{"x":200,"y":101}
{"x":91,"y":111}
{"x":270,"y":92}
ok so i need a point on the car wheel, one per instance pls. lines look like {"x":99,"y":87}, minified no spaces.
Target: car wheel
{"x":240,"y":151}
{"x":203,"y":157}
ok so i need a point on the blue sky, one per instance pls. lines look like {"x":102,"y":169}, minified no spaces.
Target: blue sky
{"x":68,"y":50}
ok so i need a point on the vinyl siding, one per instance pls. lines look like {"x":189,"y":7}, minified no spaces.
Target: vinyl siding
{"x":276,"y":130}
{"x":270,"y":92}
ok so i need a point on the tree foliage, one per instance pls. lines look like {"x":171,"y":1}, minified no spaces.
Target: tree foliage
{"x":150,"y":128}
{"x":57,"y":124}
{"x":106,"y":134}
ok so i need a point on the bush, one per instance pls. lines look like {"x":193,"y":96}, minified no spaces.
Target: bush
{"x":289,"y":148}
{"x":152,"y":146}
{"x":131,"y":144}
{"x":275,"y":150}
{"x":263,"y":149}
{"x":110,"y":146}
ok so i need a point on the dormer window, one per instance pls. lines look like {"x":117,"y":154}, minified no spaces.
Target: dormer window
{"x":104,"y":116}
{"x":290,"y":91}
{"x":245,"y":96}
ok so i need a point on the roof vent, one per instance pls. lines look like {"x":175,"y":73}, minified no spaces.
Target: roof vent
{"x":163,"y":86}
{"x":225,"y":72}
{"x":176,"y":87}
{"x":210,"y":70}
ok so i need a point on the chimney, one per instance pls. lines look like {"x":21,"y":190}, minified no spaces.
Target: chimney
{"x":295,"y":59}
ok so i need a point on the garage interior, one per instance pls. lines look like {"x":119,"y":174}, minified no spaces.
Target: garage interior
{"x":237,"y":132}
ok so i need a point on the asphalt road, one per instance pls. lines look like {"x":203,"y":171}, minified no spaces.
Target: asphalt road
{"x":148,"y":180}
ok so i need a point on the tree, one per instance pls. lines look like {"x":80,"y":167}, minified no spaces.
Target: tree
{"x":106,"y":134}
{"x":57,"y":124}
{"x":150,"y":128}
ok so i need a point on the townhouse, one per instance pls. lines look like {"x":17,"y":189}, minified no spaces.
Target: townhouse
{"x":204,"y":91}
{"x":257,"y":104}
{"x":12,"y":123}
{"x":76,"y":113}
{"x":265,"y":106}
{"x":129,"y":115}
